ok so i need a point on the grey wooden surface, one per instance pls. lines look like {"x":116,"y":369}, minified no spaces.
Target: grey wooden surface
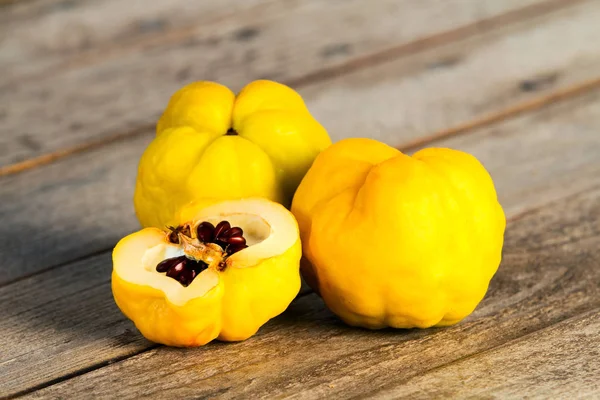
{"x":516,"y":83}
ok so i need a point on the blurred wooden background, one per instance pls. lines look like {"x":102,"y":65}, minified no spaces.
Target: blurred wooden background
{"x":515,"y":82}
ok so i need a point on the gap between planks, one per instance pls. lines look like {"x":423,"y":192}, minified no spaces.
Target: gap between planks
{"x":458,"y":33}
{"x":510,"y":112}
{"x":248,"y":46}
{"x":80,"y":372}
{"x":360,"y":63}
{"x":515,"y":340}
{"x":449,"y":380}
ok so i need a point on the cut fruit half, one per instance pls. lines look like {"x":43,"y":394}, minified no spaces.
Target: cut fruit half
{"x":221,"y":274}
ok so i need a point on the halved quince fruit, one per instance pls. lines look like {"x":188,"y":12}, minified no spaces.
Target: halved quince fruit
{"x":212,"y":144}
{"x":399,"y":241}
{"x":221,"y":274}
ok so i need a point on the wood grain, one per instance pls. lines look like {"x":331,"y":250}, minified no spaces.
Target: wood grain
{"x":14,"y":10}
{"x":70,"y":32}
{"x":450,"y":86}
{"x":562,"y":359}
{"x":129,"y":89}
{"x":73,"y":29}
{"x":77,"y":324}
{"x":61,"y":332}
{"x":7,"y":2}
{"x":539,"y":157}
{"x":307,"y":353}
{"x":61,"y":319}
{"x":58,"y":208}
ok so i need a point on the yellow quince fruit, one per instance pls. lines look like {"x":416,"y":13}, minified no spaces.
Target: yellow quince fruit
{"x":220,"y":275}
{"x":213,"y":145}
{"x":398,"y":241}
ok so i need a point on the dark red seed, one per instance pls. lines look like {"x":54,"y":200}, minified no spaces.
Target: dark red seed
{"x":186,"y":276}
{"x":235,"y":248}
{"x":220,"y":228}
{"x":164,"y":265}
{"x":236,"y":240}
{"x":235,"y":231}
{"x":176,"y":269}
{"x":206,"y":232}
{"x":224,"y":235}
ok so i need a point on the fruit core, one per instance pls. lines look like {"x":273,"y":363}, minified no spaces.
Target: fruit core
{"x":207,"y":245}
{"x":268,"y":229}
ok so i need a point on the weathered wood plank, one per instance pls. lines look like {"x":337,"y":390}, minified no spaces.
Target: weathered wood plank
{"x":7,"y":2}
{"x":57,"y":207}
{"x":48,"y":325}
{"x":68,"y":29}
{"x":307,"y":353}
{"x":527,"y":157}
{"x":75,"y":30}
{"x":14,"y":10}
{"x":560,"y":361}
{"x":129,"y":88}
{"x":452,"y":85}
{"x":78,"y":325}
{"x":69,"y":209}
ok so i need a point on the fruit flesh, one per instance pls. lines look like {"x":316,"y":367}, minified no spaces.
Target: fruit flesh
{"x":158,"y":249}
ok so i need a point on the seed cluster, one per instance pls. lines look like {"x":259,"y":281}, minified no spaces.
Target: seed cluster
{"x":181,"y":269}
{"x":184,"y":269}
{"x":231,"y":239}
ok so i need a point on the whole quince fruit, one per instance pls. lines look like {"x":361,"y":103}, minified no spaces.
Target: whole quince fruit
{"x":220,"y":275}
{"x":398,"y":241}
{"x":212,"y":144}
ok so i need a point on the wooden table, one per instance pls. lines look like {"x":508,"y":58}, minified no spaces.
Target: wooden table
{"x":515,"y":82}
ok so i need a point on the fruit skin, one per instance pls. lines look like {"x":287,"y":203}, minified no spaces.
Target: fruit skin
{"x":398,"y":241}
{"x":192,"y":159}
{"x":242,"y":301}
{"x":234,"y":310}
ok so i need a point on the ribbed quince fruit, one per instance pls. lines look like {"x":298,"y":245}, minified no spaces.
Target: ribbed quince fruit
{"x":399,"y":241}
{"x":221,"y":274}
{"x":211,"y":144}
